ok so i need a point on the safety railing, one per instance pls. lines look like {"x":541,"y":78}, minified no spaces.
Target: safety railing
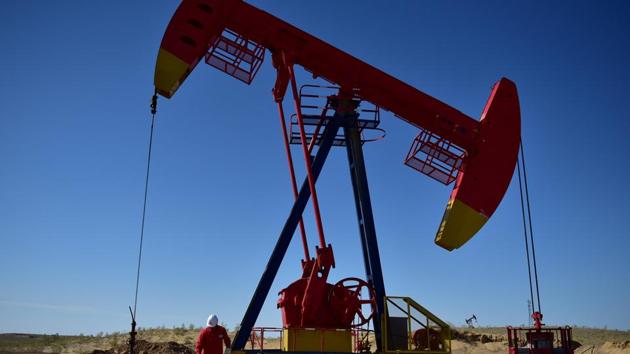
{"x":410,"y":328}
{"x":236,"y":56}
{"x":523,"y":340}
{"x":363,"y":340}
{"x":272,"y":339}
{"x":258,"y":341}
{"x":435,"y":156}
{"x":317,"y":108}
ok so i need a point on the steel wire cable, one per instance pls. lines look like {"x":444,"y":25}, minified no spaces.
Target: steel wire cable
{"x":144,"y":206}
{"x":529,"y":268}
{"x":531,"y":230}
{"x":528,"y":229}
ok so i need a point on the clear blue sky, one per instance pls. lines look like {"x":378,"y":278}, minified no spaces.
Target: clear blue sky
{"x":76,"y":79}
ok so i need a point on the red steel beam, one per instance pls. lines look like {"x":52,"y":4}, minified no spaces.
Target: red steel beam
{"x":318,"y":57}
{"x":491,"y":143}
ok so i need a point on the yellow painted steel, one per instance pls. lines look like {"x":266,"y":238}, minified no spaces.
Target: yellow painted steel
{"x":440,"y":327}
{"x":459,"y":224}
{"x":316,"y":340}
{"x":170,"y":72}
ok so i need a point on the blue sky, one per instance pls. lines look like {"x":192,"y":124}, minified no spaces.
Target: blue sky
{"x":75,"y":88}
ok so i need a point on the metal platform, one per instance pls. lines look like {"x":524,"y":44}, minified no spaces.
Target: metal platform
{"x":317,"y":107}
{"x":543,"y":340}
{"x":435,"y":157}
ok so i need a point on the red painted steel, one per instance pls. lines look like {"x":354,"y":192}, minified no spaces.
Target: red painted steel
{"x":232,"y":36}
{"x":492,"y":167}
{"x":319,"y":57}
{"x":338,"y":309}
{"x":257,"y":337}
{"x":307,"y":158}
{"x":491,"y":144}
{"x":540,"y":339}
{"x":352,"y":304}
{"x":236,"y":56}
{"x":544,"y":340}
{"x":294,"y":188}
{"x":435,"y":156}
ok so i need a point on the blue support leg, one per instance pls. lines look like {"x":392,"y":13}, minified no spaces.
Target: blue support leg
{"x":266,"y":280}
{"x":367,"y":229}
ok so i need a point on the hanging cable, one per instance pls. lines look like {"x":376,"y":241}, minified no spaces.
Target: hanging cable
{"x":132,"y":334}
{"x":531,"y":230}
{"x":529,"y":267}
{"x":528,"y":231}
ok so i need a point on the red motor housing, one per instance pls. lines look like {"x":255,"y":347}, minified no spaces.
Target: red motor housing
{"x":338,"y":308}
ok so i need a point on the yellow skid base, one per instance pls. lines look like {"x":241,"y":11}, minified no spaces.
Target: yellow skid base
{"x":316,"y":340}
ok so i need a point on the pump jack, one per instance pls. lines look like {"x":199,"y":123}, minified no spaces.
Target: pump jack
{"x":471,"y":321}
{"x":233,"y":36}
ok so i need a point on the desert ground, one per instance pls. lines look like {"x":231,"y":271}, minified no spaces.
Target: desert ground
{"x":488,"y":340}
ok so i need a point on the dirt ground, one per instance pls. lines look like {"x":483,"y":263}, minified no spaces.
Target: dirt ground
{"x":478,"y":343}
{"x":463,"y":343}
{"x":459,"y":347}
{"x":181,"y":341}
{"x":144,"y":347}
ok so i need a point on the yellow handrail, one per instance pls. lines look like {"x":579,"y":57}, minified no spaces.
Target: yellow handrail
{"x":441,"y":329}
